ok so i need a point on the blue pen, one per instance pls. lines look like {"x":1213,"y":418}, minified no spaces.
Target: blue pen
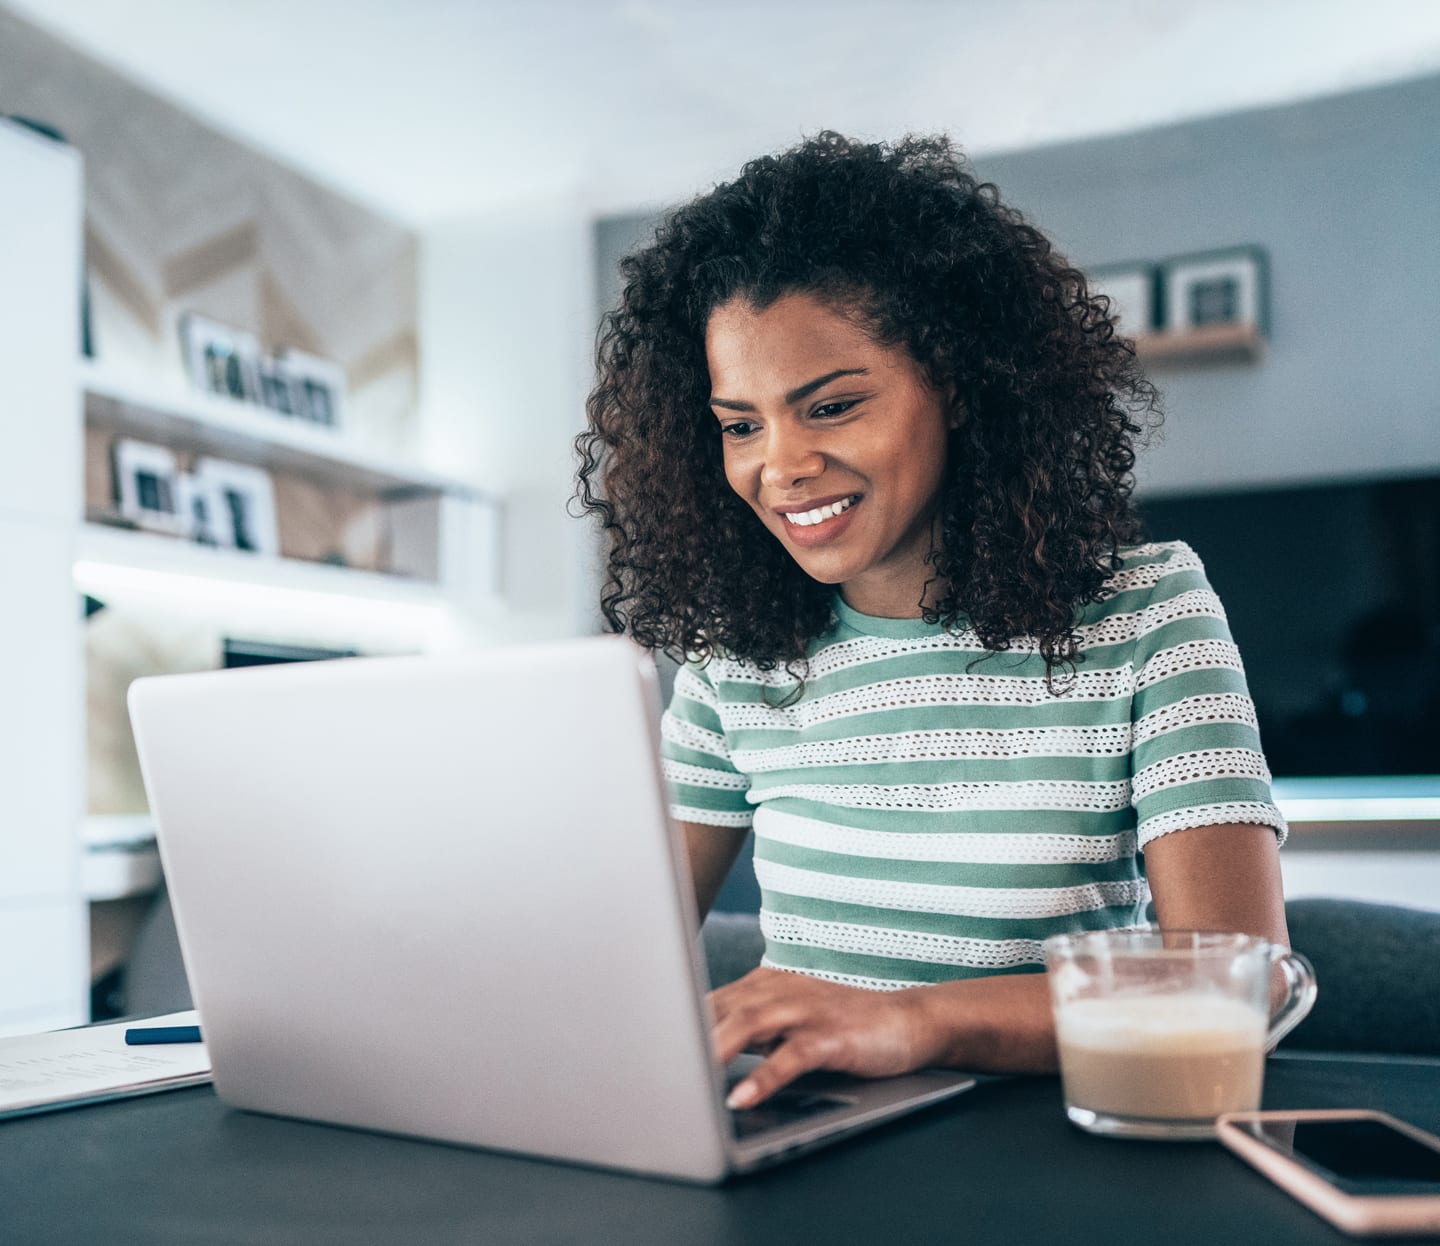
{"x":162,"y":1034}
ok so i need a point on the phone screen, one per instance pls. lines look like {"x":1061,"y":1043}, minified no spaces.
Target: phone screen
{"x":1360,"y":1157}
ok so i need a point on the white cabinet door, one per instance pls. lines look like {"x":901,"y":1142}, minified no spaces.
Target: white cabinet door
{"x":43,"y":918}
{"x":42,"y":744}
{"x":40,"y":240}
{"x":44,"y":968}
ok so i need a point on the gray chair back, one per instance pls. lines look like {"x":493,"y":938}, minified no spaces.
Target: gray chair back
{"x":1378,"y":971}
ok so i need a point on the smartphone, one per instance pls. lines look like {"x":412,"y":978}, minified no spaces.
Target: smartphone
{"x":1367,"y":1173}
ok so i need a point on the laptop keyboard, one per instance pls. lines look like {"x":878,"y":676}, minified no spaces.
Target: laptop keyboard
{"x":785,"y":1107}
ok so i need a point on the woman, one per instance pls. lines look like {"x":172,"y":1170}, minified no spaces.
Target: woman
{"x":862,"y":443}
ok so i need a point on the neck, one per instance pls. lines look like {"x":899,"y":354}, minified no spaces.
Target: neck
{"x":903,"y":599}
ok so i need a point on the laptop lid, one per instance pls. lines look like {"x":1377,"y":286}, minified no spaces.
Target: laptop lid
{"x":441,"y":897}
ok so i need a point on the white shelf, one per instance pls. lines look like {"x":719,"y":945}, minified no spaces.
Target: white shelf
{"x":121,"y":858}
{"x":243,"y":433}
{"x":170,"y":556}
{"x":119,"y":873}
{"x":104,"y":832}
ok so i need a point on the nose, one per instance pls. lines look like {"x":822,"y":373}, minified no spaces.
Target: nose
{"x":791,"y":457}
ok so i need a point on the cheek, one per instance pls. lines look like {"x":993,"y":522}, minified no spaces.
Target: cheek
{"x":933,"y":448}
{"x":740,"y":475}
{"x":938,"y":475}
{"x":927,"y":473}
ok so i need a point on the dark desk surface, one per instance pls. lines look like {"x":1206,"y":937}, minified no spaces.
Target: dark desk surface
{"x":999,"y":1164}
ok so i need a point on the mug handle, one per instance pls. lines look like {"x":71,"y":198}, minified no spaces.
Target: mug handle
{"x":1300,"y":994}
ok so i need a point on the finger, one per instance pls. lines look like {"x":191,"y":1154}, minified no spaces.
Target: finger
{"x":753,"y":1025}
{"x":756,"y":988}
{"x":758,"y":984}
{"x":801,"y":1054}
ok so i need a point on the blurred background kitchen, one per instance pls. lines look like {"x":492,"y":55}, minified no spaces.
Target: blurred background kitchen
{"x":297,"y":305}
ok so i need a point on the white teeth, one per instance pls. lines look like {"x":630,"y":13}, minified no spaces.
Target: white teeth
{"x":805,"y":519}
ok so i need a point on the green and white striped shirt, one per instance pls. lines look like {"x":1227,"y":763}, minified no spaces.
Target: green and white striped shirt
{"x":920,"y":816}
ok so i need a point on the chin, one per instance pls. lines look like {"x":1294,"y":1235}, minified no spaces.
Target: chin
{"x":823,"y":570}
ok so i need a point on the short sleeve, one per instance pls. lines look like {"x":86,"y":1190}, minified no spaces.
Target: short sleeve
{"x":704,"y":784}
{"x":1196,"y":758}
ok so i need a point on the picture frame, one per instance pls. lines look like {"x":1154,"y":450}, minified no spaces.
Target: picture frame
{"x":277,"y":388}
{"x":197,"y":504}
{"x":220,"y":360}
{"x":147,"y":486}
{"x":1131,"y":289}
{"x":318,"y":388}
{"x":239,"y":500}
{"x":1210,"y":289}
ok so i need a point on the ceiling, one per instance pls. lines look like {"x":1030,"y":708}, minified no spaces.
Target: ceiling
{"x":437,"y":109}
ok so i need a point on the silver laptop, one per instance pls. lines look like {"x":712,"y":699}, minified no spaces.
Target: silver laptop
{"x":442,"y":897}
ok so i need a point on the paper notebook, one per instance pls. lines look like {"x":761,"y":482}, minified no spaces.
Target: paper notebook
{"x":70,"y":1068}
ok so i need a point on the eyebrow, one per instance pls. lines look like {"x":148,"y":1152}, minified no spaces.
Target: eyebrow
{"x":796,"y":394}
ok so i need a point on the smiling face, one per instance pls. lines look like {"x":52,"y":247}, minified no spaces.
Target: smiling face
{"x":837,"y":443}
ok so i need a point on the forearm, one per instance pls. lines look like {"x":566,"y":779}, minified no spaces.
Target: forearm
{"x":1001,"y":1024}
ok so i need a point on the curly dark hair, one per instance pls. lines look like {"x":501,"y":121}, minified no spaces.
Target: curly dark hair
{"x":1038,"y":497}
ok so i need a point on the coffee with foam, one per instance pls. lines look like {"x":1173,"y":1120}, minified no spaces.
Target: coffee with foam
{"x":1180,"y":1056}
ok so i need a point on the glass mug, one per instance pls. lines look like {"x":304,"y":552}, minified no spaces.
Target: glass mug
{"x":1160,"y":1032}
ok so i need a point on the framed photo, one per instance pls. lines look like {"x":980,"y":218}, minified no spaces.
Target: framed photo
{"x":239,"y":502}
{"x":221,"y":360}
{"x":198,"y":508}
{"x":318,"y":386}
{"x":147,"y":486}
{"x":277,"y":390}
{"x":1215,"y":288}
{"x":1131,"y":291}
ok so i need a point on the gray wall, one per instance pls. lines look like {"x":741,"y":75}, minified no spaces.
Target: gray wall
{"x":1344,"y":195}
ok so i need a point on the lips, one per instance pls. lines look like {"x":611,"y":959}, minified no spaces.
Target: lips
{"x":818,"y":521}
{"x":809,"y":514}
